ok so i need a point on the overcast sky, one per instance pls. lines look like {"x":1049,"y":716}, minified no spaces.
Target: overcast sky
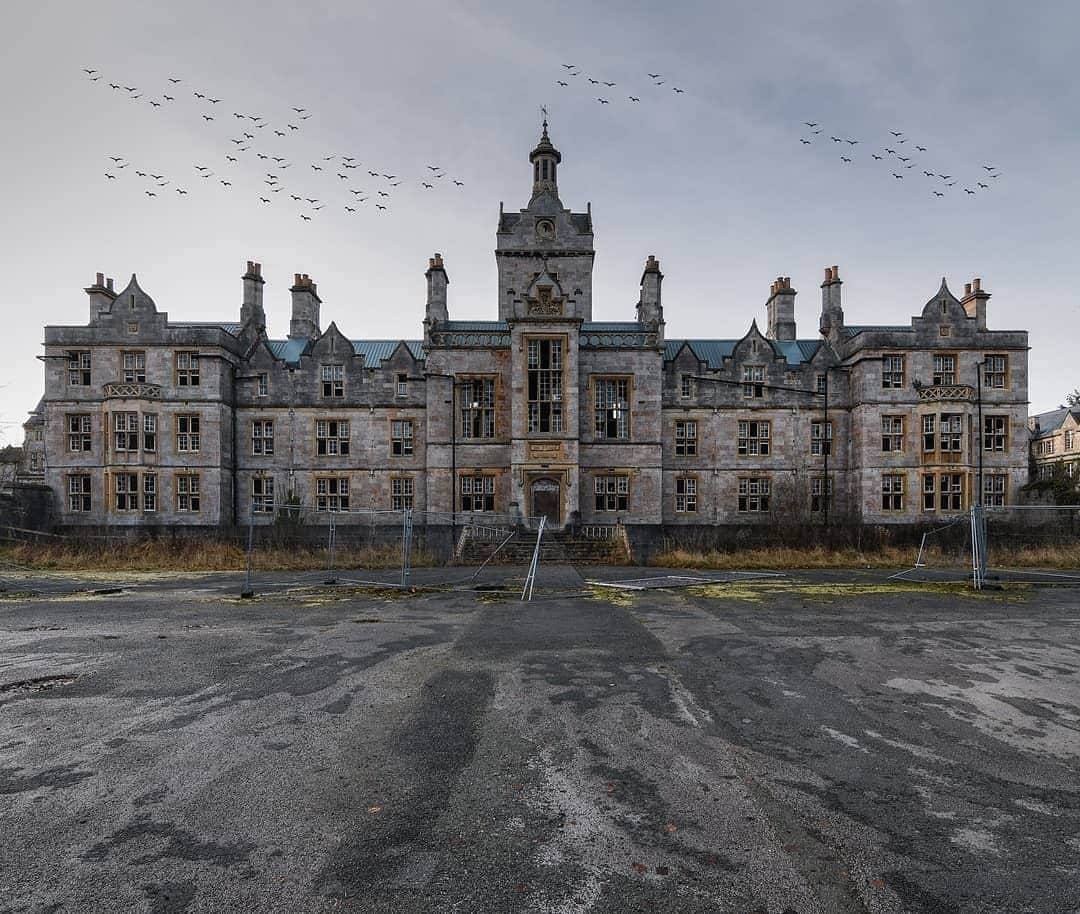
{"x":714,"y":181}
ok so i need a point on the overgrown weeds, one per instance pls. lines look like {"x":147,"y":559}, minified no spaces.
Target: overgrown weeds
{"x":184,"y":554}
{"x":1058,"y":556}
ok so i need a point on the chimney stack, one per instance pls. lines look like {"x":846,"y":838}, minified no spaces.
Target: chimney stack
{"x":974,"y":302}
{"x":101,"y":295}
{"x":437,"y":281}
{"x":650,"y":308}
{"x":832,"y":314}
{"x":305,"y":308}
{"x":251,"y":311}
{"x":781,"y":310}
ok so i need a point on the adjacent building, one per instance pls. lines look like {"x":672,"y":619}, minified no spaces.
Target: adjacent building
{"x":537,"y":410}
{"x":1055,"y":441}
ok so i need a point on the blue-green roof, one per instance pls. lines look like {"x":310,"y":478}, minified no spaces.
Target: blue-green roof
{"x":867,"y":328}
{"x":228,"y":326}
{"x":374,"y":351}
{"x":475,"y":326}
{"x":713,"y":352}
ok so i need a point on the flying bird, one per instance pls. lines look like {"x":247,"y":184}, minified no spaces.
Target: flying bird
{"x":853,"y":142}
{"x":894,"y":133}
{"x":113,"y":86}
{"x":653,"y":75}
{"x":561,"y":83}
{"x":938,"y":193}
{"x":207,"y":117}
{"x":294,"y":197}
{"x":132,"y":88}
{"x":262,"y":156}
{"x":968,"y":190}
{"x":595,"y":82}
{"x":603,"y":101}
{"x":309,"y":200}
{"x":293,"y":127}
{"x":379,"y":206}
{"x":921,"y":148}
{"x":239,"y":115}
{"x":110,"y":177}
{"x":173,"y":80}
{"x":94,"y":79}
{"x":876,"y":156}
{"x":389,"y":177}
{"x":951,"y":184}
{"x":990,"y":167}
{"x":320,"y":206}
{"x":836,"y":139}
{"x":149,"y":193}
{"x":944,"y":177}
{"x":156,"y":104}
{"x":117,"y":158}
{"x":162,"y":183}
{"x":304,"y":117}
{"x":125,"y":165}
{"x":328,"y":158}
{"x":199,"y":95}
{"x":278,"y":159}
{"x":434,"y":167}
{"x":169,"y":98}
{"x":180,"y":191}
{"x":227,"y":183}
{"x":213,"y":101}
{"x":316,"y":168}
{"x":428,"y":186}
{"x":676,"y":89}
{"x":349,"y":209}
{"x":264,"y":199}
{"x":610,"y":85}
{"x":202,"y":167}
{"x":459,"y":183}
{"x":806,"y":142}
{"x":845,"y":159}
{"x":141,"y":174}
{"x":928,"y":174}
{"x":810,"y":124}
{"x":891,"y":152}
{"x":898,"y":177}
{"x":89,"y":72}
{"x":231,"y":158}
{"x":634,"y":99}
{"x":902,"y":159}
{"x":278,"y":133}
{"x":383,"y":193}
{"x":373,"y":174}
{"x":569,"y":66}
{"x":299,"y":110}
{"x":157,"y":177}
{"x":980,"y":183}
{"x":305,"y":218}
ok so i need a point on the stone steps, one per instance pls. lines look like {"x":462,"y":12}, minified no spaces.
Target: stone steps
{"x":557,"y":548}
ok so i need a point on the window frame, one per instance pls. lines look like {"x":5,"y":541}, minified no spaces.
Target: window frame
{"x":753,"y":443}
{"x":611,"y":396}
{"x":476,"y":407}
{"x":79,"y":367}
{"x":135,"y":372}
{"x":262,"y":437}
{"x":81,"y":439}
{"x":402,"y":438}
{"x":333,"y":493}
{"x":332,"y":380}
{"x":188,"y":368}
{"x":893,"y":490}
{"x":402,"y":493}
{"x":893,"y":441}
{"x":942,"y":376}
{"x":336,"y":444}
{"x":753,"y":382}
{"x":187,"y":488}
{"x":891,"y":377}
{"x":468,"y":500}
{"x":686,"y":493}
{"x":544,"y":414}
{"x":611,"y":492}
{"x":188,"y":433}
{"x":686,"y":437}
{"x":80,"y":486}
{"x":754,"y":494}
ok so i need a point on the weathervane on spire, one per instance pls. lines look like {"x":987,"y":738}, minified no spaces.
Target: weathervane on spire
{"x":544,"y":114}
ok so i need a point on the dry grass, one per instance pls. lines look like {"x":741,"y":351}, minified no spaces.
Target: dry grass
{"x":197,"y":555}
{"x":1061,"y":556}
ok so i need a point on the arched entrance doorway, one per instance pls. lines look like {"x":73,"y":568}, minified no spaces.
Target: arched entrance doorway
{"x":547,"y":500}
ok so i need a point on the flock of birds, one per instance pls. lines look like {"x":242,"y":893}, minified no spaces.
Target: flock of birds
{"x":573,"y":71}
{"x":903,"y":160}
{"x":259,"y":140}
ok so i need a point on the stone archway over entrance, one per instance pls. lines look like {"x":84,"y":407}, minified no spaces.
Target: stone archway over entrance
{"x":547,"y":499}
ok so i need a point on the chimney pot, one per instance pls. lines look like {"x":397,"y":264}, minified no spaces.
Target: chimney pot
{"x":967,"y":288}
{"x":100,"y":279}
{"x":828,"y":274}
{"x":108,"y":284}
{"x":835,"y":272}
{"x":296,"y":279}
{"x":976,"y":284}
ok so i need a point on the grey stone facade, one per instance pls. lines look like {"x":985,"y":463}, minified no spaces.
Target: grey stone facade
{"x":150,"y":422}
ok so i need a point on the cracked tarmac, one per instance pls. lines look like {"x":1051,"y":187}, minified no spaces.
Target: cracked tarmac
{"x":759,"y":748}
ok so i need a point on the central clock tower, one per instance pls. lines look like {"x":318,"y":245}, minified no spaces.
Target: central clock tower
{"x":544,"y":252}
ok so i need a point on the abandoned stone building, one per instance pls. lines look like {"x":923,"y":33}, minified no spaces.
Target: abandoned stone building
{"x":1055,"y":442}
{"x":541,"y":411}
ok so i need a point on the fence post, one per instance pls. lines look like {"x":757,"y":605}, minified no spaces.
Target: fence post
{"x":331,"y":536}
{"x":247,"y":590}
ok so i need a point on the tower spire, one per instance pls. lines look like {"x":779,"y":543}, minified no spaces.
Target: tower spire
{"x":545,"y":159}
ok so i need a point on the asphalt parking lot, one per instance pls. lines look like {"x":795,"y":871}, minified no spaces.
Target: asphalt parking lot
{"x":767,"y":746}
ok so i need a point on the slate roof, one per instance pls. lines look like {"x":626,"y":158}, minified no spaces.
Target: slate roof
{"x":475,"y":326}
{"x":713,"y":352}
{"x":373,"y":351}
{"x":228,"y":326}
{"x":1050,"y":422}
{"x":866,"y":328}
